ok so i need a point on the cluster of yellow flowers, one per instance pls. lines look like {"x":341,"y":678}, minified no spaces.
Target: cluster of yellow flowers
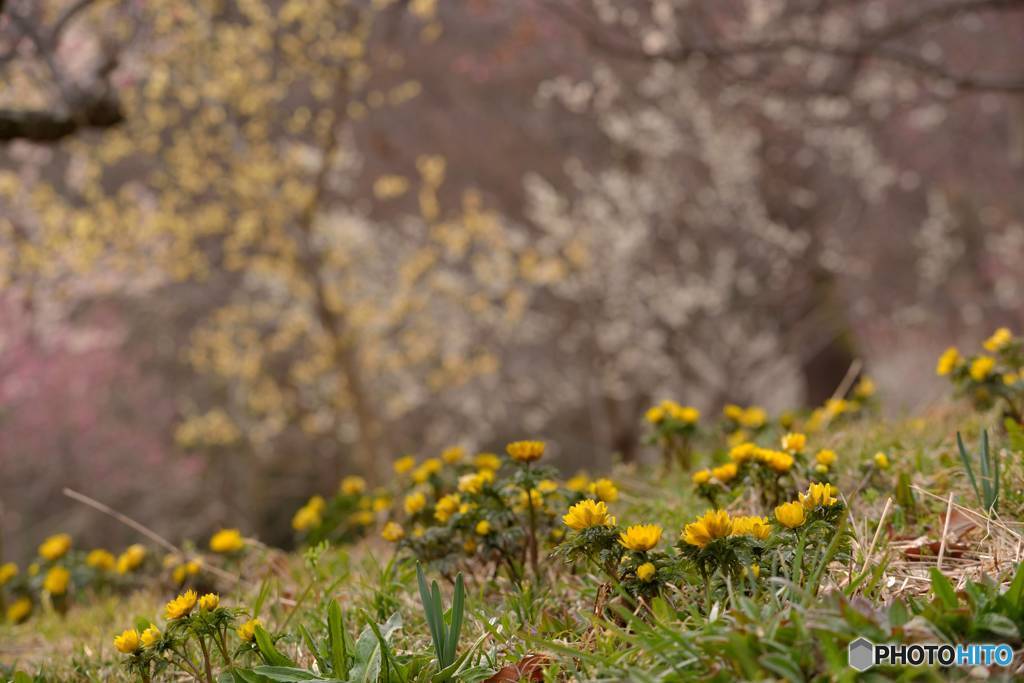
{"x":793,"y":514}
{"x":670,"y":410}
{"x":994,"y":376}
{"x":752,"y":417}
{"x":715,"y":524}
{"x":58,"y":570}
{"x":189,"y":617}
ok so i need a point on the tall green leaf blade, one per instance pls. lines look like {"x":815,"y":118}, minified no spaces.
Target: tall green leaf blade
{"x":336,"y":635}
{"x":458,"y":606}
{"x":967,"y":466}
{"x":428,"y":611}
{"x":271,"y":655}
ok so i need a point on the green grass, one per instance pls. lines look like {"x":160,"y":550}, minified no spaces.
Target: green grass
{"x":360,"y":610}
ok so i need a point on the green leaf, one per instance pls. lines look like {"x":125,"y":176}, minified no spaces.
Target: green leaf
{"x":336,"y":633}
{"x":943,"y":589}
{"x":271,"y":655}
{"x":261,"y":597}
{"x":783,"y":666}
{"x":288,"y":674}
{"x":434,"y":621}
{"x":321,"y":663}
{"x":999,"y":625}
{"x":367,"y":665}
{"x":1016,"y":590}
{"x":458,"y":606}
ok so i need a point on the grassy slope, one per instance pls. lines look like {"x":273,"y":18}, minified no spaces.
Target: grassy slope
{"x":797,"y":635}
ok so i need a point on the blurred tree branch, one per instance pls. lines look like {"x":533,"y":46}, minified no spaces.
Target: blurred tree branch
{"x":871,"y":44}
{"x":78,"y":106}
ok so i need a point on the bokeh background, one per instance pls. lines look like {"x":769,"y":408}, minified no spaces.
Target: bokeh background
{"x":249,"y":246}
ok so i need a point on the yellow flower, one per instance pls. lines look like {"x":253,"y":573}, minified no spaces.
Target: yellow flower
{"x":778,"y":461}
{"x":209,"y":602}
{"x":128,"y":642}
{"x":794,"y":442}
{"x":588,"y":513}
{"x":446,"y":507}
{"x":183,"y":571}
{"x":725,"y":473}
{"x":404,"y":464}
{"x":19,"y":610}
{"x":483,"y":527}
{"x":712,"y":525}
{"x":418,"y":530}
{"x":836,"y":406}
{"x":825,"y":457}
{"x":743,"y":452}
{"x":865,"y":388}
{"x":453,"y":455}
{"x":309,"y":515}
{"x":578,"y":483}
{"x":392,"y":532}
{"x":757,"y":527}
{"x":429,"y":467}
{"x":818,"y":495}
{"x":247,"y":631}
{"x":100,"y":559}
{"x":352,"y":485}
{"x":640,"y":537}
{"x":655,"y":414}
{"x":646,"y":571}
{"x":549,"y":486}
{"x":414,"y":502}
{"x":981,"y":367}
{"x":605,"y":489}
{"x":821,"y":469}
{"x":999,"y":339}
{"x":227,"y":541}
{"x":487,"y":461}
{"x":755,"y":570}
{"x":733,"y":412}
{"x":54,"y":547}
{"x":8,"y":571}
{"x":474,"y":483}
{"x":1011,"y":378}
{"x":56,"y":581}
{"x":469,"y":546}
{"x":701,"y":477}
{"x":534,"y":500}
{"x":790,"y":515}
{"x":687,"y":414}
{"x":881,"y":460}
{"x":525,"y":451}
{"x":381,"y":503}
{"x":33,"y":569}
{"x":150,"y":637}
{"x":131,"y":558}
{"x":753,"y":417}
{"x":180,"y":606}
{"x":363,"y":518}
{"x":737,"y":438}
{"x":948,"y":361}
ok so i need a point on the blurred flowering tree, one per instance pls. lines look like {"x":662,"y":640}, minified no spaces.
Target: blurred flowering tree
{"x":312,"y":219}
{"x":760,"y":166}
{"x":232,"y":176}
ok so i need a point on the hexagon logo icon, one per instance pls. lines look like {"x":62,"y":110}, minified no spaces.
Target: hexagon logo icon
{"x":861,"y":654}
